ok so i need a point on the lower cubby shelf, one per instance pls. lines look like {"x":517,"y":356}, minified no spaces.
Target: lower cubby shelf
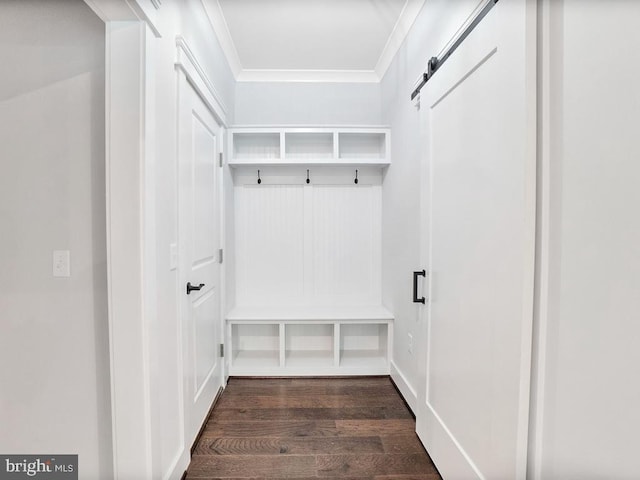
{"x":255,"y":344}
{"x":309,"y":342}
{"x":308,"y":346}
{"x":364,"y":344}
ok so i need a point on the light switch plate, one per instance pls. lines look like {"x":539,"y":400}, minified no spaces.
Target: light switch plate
{"x":61,"y":263}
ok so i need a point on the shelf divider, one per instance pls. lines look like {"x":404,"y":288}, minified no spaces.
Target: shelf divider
{"x":282,"y":345}
{"x":336,"y":344}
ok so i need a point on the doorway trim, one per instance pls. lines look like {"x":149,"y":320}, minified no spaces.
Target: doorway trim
{"x":128,"y":222}
{"x":131,"y":30}
{"x":188,"y":64}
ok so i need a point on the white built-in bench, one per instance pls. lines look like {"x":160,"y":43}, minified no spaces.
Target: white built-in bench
{"x":317,"y":341}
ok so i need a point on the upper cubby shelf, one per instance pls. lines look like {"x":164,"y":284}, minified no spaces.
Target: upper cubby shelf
{"x":309,"y":146}
{"x":248,"y":146}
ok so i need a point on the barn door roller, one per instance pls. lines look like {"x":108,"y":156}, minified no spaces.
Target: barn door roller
{"x":436,"y":62}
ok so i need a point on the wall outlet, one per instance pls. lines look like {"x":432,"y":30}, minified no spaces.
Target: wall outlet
{"x":410,"y":343}
{"x":61,"y":263}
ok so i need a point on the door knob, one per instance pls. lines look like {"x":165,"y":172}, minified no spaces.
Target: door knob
{"x":191,"y":288}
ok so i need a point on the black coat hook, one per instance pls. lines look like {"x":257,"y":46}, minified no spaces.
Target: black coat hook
{"x":259,"y":180}
{"x":356,"y":180}
{"x":308,"y":181}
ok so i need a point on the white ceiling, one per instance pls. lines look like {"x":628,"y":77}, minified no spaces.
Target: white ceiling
{"x":311,"y":40}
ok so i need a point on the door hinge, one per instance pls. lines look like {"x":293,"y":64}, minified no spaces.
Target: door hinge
{"x":220,"y":255}
{"x":221,"y":160}
{"x":222,"y":350}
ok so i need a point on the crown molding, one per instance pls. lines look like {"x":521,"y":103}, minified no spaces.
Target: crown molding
{"x":309,"y":76}
{"x":398,"y":34}
{"x":111,"y":11}
{"x":400,"y":30}
{"x":128,"y":10}
{"x":221,"y":30}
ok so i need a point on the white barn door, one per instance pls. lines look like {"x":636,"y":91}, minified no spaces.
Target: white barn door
{"x":480,"y":120}
{"x":200,"y":138}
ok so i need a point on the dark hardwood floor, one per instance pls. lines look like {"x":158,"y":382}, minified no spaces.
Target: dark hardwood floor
{"x":347,"y":428}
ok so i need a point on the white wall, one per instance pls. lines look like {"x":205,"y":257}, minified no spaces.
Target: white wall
{"x":586,"y":396}
{"x":54,"y":342}
{"x":54,"y":363}
{"x":434,"y":27}
{"x":277,"y":103}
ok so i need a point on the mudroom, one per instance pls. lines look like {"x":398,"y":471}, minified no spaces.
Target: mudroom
{"x":359,"y":239}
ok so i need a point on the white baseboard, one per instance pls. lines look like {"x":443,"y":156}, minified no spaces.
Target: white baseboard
{"x":406,"y":390}
{"x":178,"y":466}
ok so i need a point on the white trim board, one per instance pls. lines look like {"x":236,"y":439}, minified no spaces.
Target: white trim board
{"x":309,"y":127}
{"x":396,"y":39}
{"x":187,"y":62}
{"x":221,"y":30}
{"x":310,"y":313}
{"x":308,"y":76}
{"x":406,"y":390}
{"x":112,"y":11}
{"x":127,"y":10}
{"x":126,"y":242}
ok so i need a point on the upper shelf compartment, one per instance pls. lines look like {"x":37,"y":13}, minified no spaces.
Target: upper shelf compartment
{"x":312,"y":146}
{"x":309,"y":146}
{"x":256,"y":146}
{"x":357,"y":145}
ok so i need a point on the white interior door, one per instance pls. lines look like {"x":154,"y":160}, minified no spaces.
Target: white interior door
{"x":480,"y":118}
{"x":199,"y":241}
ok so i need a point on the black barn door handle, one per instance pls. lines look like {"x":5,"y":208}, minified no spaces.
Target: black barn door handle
{"x":421,"y":273}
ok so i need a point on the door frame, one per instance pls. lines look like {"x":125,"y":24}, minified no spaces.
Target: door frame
{"x":131,"y":285}
{"x":131,"y":31}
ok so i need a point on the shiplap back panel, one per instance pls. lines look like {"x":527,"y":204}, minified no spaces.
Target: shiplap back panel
{"x":345,"y":233}
{"x":308,"y":244}
{"x":270,"y":244}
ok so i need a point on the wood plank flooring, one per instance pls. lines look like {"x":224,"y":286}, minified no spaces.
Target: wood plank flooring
{"x":298,"y":428}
